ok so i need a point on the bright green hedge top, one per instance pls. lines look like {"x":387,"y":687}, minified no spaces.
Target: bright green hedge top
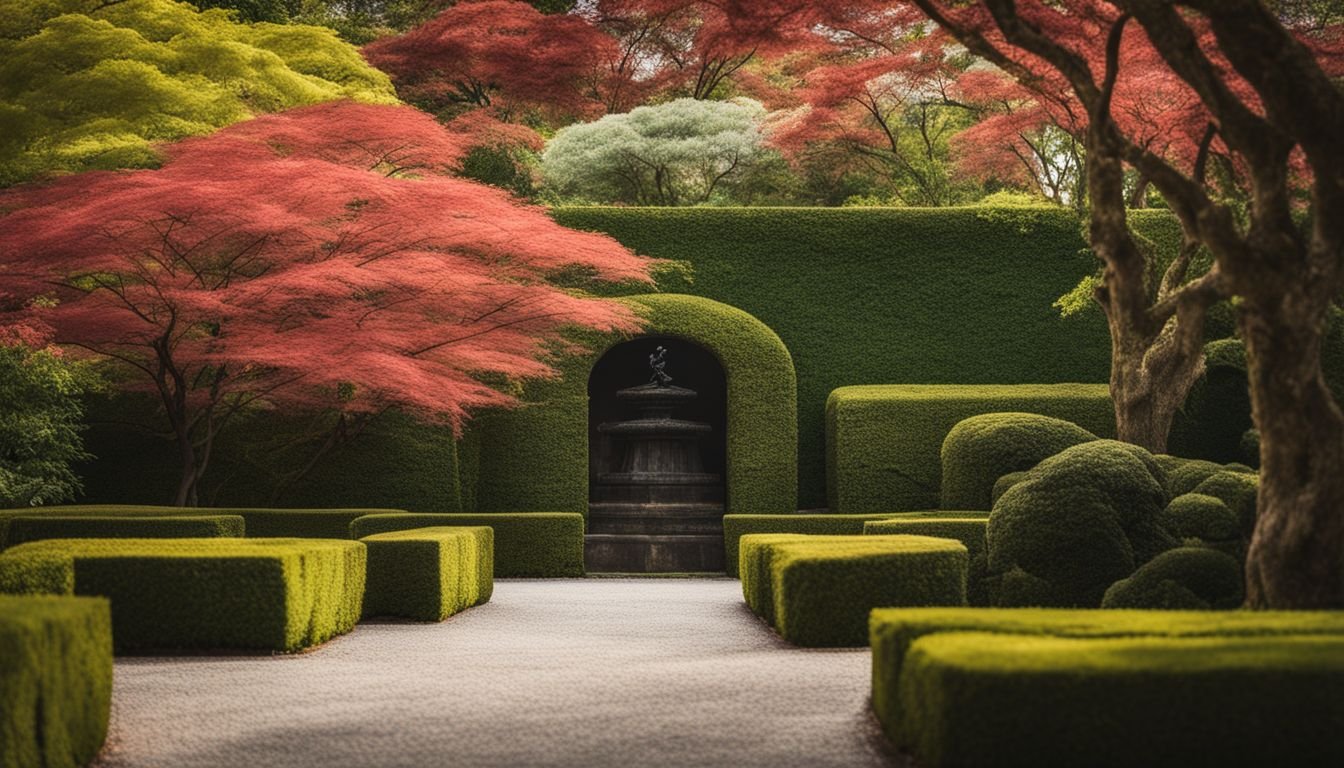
{"x":25,"y":529}
{"x":429,"y":574}
{"x":55,"y":679}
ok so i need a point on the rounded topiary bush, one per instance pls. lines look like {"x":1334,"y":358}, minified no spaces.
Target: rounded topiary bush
{"x":1002,"y":485}
{"x":1187,"y":474}
{"x":1189,"y":578}
{"x":1238,"y":490}
{"x":1078,"y":522}
{"x":1203,"y":517}
{"x":981,"y":449}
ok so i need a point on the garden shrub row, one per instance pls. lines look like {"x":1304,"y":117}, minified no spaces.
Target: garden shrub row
{"x":38,"y":527}
{"x":277,"y":594}
{"x":817,"y":591}
{"x":892,"y":632}
{"x":428,"y":574}
{"x":55,"y":680}
{"x":737,"y":526}
{"x":527,"y":544}
{"x":883,"y":442}
{"x":969,"y":530}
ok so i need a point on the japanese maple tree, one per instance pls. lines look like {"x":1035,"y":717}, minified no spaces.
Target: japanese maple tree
{"x":309,"y":260}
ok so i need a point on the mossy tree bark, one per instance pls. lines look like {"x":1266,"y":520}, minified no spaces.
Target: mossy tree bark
{"x":1287,"y":277}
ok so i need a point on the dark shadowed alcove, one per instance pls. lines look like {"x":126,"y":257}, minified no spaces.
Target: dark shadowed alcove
{"x":657,"y":458}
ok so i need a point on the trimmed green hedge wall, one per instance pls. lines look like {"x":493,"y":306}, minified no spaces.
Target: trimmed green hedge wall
{"x":36,"y":528}
{"x":536,"y":457}
{"x":867,"y":296}
{"x":1124,"y":701}
{"x":892,"y":632}
{"x":823,"y":587}
{"x":259,"y":523}
{"x":527,"y":544}
{"x":55,"y":680}
{"x":883,"y":442}
{"x":277,"y":594}
{"x":429,"y":573}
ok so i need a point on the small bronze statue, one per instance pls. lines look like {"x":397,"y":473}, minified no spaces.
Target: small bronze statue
{"x":658,"y":361}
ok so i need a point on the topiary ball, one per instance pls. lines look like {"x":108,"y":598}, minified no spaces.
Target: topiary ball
{"x":1238,"y":490}
{"x":1002,"y":485}
{"x":981,"y":449}
{"x":1198,"y":516}
{"x":1079,"y":521}
{"x":1189,"y":578}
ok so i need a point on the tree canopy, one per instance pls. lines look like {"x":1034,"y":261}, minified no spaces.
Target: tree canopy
{"x":92,"y":85}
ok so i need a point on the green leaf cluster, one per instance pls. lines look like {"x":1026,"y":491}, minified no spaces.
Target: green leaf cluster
{"x":88,"y":85}
{"x":40,"y":422}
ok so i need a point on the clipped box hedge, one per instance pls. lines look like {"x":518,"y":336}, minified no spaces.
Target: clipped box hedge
{"x":823,"y":587}
{"x":969,"y":530}
{"x":429,"y":574}
{"x":277,"y":594}
{"x":36,"y":528}
{"x":55,"y":680}
{"x":737,"y":526}
{"x":883,"y":442}
{"x":260,"y":522}
{"x":893,"y":631}
{"x":527,"y":544}
{"x":995,"y":699}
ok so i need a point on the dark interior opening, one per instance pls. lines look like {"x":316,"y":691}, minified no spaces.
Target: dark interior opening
{"x":627,"y":365}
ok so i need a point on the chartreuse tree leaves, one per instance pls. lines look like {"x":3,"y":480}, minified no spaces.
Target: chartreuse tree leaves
{"x":319,"y":260}
{"x":89,"y":85}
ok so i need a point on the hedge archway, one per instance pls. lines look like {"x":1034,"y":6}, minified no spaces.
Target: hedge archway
{"x":535,"y":457}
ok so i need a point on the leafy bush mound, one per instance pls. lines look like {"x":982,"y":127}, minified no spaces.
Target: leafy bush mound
{"x":1002,"y":485}
{"x":1203,"y":517}
{"x":1237,"y":490}
{"x":55,"y":680}
{"x":980,"y":450}
{"x":1189,"y":578}
{"x":1075,"y":524}
{"x":275,"y":594}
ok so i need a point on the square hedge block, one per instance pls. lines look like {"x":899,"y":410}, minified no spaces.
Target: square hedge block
{"x":276,"y":594}
{"x":968,"y":530}
{"x":55,"y":680}
{"x":39,"y":527}
{"x":822,"y":588}
{"x":527,"y":544}
{"x":892,"y":631}
{"x":1001,"y":699}
{"x":884,"y":442}
{"x":429,"y":574}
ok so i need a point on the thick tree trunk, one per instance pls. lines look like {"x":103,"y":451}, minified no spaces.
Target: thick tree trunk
{"x":1296,"y":557}
{"x":1150,"y":379}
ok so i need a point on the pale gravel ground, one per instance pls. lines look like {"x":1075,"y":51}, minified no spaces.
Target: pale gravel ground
{"x":594,"y":672}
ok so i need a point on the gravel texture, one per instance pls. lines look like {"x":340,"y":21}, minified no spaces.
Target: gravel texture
{"x":589,"y":672}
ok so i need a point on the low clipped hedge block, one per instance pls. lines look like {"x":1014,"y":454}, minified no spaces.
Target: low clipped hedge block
{"x":429,"y":573}
{"x":970,"y":531}
{"x":260,"y":522}
{"x":26,"y":529}
{"x":1149,"y":701}
{"x":1189,"y":578}
{"x":737,"y":526}
{"x":55,"y":680}
{"x":883,"y":442}
{"x":277,"y":594}
{"x":893,"y":631}
{"x":980,"y":450}
{"x":527,"y":544}
{"x":823,"y":589}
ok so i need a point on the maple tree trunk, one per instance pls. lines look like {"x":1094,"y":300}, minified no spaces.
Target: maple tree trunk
{"x":1150,"y":380}
{"x":1296,"y":557}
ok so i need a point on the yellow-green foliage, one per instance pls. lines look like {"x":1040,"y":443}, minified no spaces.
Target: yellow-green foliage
{"x":536,"y":457}
{"x":1187,"y":578}
{"x":88,"y":85}
{"x":970,"y":531}
{"x":260,"y":522}
{"x":277,"y":594}
{"x":986,"y":699}
{"x":38,"y":527}
{"x":883,"y":442}
{"x":981,"y":449}
{"x":893,"y":631}
{"x":527,"y":544}
{"x":55,"y":680}
{"x":823,"y":587}
{"x":429,"y":573}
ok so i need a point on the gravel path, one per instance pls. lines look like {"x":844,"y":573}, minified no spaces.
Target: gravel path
{"x":593,"y":672}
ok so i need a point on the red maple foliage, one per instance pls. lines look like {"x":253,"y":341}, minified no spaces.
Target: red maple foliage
{"x":311,"y":259}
